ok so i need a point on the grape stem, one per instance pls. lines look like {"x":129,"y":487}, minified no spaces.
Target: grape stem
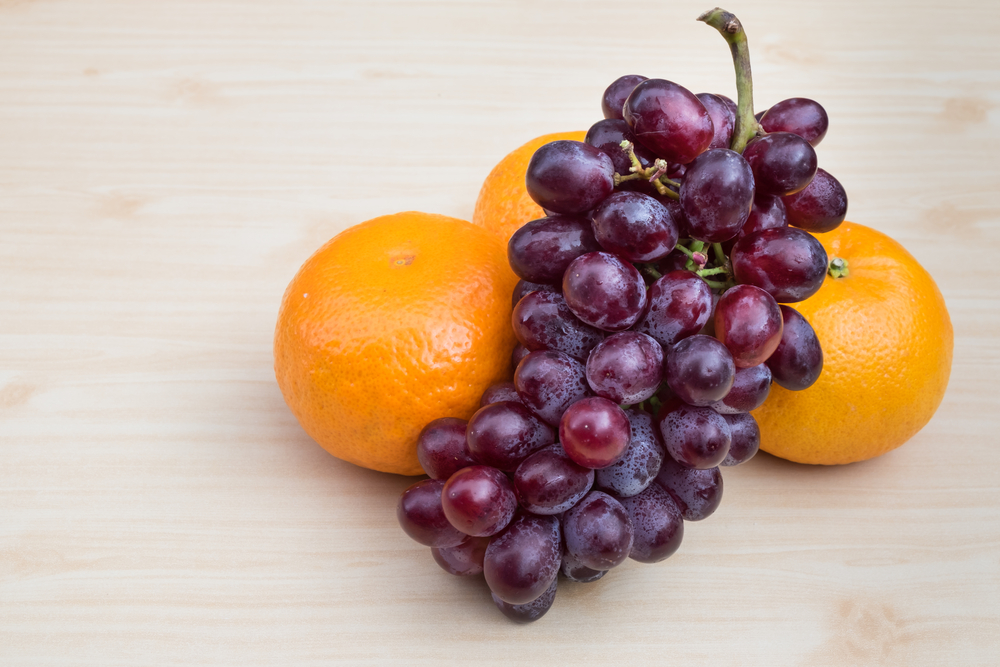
{"x":654,"y":174}
{"x":732,"y":31}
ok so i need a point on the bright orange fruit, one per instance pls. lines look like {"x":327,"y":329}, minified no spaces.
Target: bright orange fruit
{"x":887,"y":348}
{"x":393,"y":323}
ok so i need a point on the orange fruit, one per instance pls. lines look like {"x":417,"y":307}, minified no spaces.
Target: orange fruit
{"x":393,"y":323}
{"x":887,"y":347}
{"x":504,"y":204}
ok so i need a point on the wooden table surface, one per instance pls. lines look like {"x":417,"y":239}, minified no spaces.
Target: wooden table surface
{"x":166,"y":166}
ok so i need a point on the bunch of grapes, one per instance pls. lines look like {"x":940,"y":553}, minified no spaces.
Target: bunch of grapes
{"x":652,"y":318}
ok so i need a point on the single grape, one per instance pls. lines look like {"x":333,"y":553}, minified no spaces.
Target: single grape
{"x":797,"y":115}
{"x":594,"y":432}
{"x":615,"y":95}
{"x":716,"y":195}
{"x":549,"y":482}
{"x":519,"y":353}
{"x":504,"y":434}
{"x":442,"y":448}
{"x":693,"y":436}
{"x":529,"y":611}
{"x":748,"y":323}
{"x":723,"y":113}
{"x":669,"y":119}
{"x":746,"y":439}
{"x":798,"y":361}
{"x":604,"y":291}
{"x":751,"y":386}
{"x":680,"y":303}
{"x":700,"y":370}
{"x":696,"y":492}
{"x":577,"y":572}
{"x":479,"y":500}
{"x":463,"y":560}
{"x":421,"y":516}
{"x":523,"y":559}
{"x":569,"y":176}
{"x":543,"y":321}
{"x":523,"y":288}
{"x":625,"y":367}
{"x":820,"y":207}
{"x":786,"y":262}
{"x":657,"y":522}
{"x":637,"y":469}
{"x":635,"y":226}
{"x":598,"y":531}
{"x":782,"y":163}
{"x":540,"y":251}
{"x":548,"y":382}
{"x":495,"y":393}
{"x":768,"y":212}
{"x":608,"y":135}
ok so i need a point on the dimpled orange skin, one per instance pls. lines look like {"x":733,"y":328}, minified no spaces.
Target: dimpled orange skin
{"x":887,"y":346}
{"x":504,"y":204}
{"x":393,"y":323}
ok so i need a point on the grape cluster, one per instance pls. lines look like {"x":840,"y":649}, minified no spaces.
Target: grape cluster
{"x":652,"y":318}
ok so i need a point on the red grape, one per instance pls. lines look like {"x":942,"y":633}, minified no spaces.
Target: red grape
{"x":523,"y":559}
{"x":680,"y":303}
{"x":716,"y":195}
{"x":595,"y":432}
{"x":798,"y":115}
{"x":548,"y":382}
{"x":783,"y":163}
{"x":421,"y":516}
{"x":598,"y":531}
{"x":637,"y":469}
{"x":693,"y":436}
{"x":669,"y":119}
{"x":569,"y":176}
{"x":504,"y":434}
{"x":657,"y":522}
{"x":540,"y":251}
{"x":820,"y":207}
{"x":751,"y":386}
{"x":798,"y":361}
{"x":479,"y":500}
{"x":625,"y":367}
{"x":442,"y":448}
{"x":748,"y":323}
{"x":635,"y":226}
{"x":529,"y":611}
{"x":723,"y":113}
{"x":700,"y":370}
{"x":463,"y":560}
{"x":549,"y":482}
{"x":746,"y":439}
{"x":604,"y":291}
{"x":787,"y":262}
{"x":615,"y":95}
{"x":543,"y":321}
{"x":696,"y":492}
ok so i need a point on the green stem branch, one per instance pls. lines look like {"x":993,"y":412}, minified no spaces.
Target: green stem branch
{"x":732,"y":31}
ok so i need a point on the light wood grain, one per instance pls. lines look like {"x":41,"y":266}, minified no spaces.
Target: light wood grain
{"x":165,"y":168}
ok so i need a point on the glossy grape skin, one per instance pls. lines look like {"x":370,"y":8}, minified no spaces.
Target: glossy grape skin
{"x":782,"y":163}
{"x":518,"y":355}
{"x":598,"y":531}
{"x":576,"y":571}
{"x":745,"y":439}
{"x":523,"y":288}
{"x":608,"y":135}
{"x":767,"y":212}
{"x":635,"y":226}
{"x":569,"y":176}
{"x":543,"y":321}
{"x":479,"y":500}
{"x":615,"y":95}
{"x":523,"y":559}
{"x":748,"y":322}
{"x":604,"y":291}
{"x":786,"y":262}
{"x":716,"y":195}
{"x":529,"y":611}
{"x":820,"y":207}
{"x":495,"y":393}
{"x":442,"y":447}
{"x":693,"y":436}
{"x":798,"y":361}
{"x":798,"y":115}
{"x":637,"y":469}
{"x":504,"y":434}
{"x":625,"y":367}
{"x":657,"y":523}
{"x":669,"y":120}
{"x":594,"y":432}
{"x":422,"y":517}
{"x":680,"y":303}
{"x":540,"y":251}
{"x":549,"y":482}
{"x":700,"y":370}
{"x":751,"y":387}
{"x":696,"y":492}
{"x":548,"y":382}
{"x":464,"y":560}
{"x":722,"y":110}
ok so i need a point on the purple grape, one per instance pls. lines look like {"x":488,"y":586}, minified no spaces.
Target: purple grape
{"x":463,"y":560}
{"x":548,"y":382}
{"x":569,"y":176}
{"x":700,"y":370}
{"x":608,"y":135}
{"x":615,"y":95}
{"x":637,"y":469}
{"x":797,"y":115}
{"x":657,"y":522}
{"x":680,"y":303}
{"x":594,"y":432}
{"x":577,"y":572}
{"x":421,"y":516}
{"x":723,"y":113}
{"x":748,"y":323}
{"x":768,"y":212}
{"x":693,"y":436}
{"x":716,"y":195}
{"x":442,"y":448}
{"x":523,"y":288}
{"x":495,"y":393}
{"x":540,"y":251}
{"x":669,"y":119}
{"x":479,"y":500}
{"x":798,"y":361}
{"x":604,"y":291}
{"x":788,"y":263}
{"x":750,"y":389}
{"x":543,"y":321}
{"x":746,"y":439}
{"x":625,"y":367}
{"x":549,"y":482}
{"x":696,"y":492}
{"x":519,"y":353}
{"x":504,"y":434}
{"x":782,"y":163}
{"x":820,"y":207}
{"x":524,"y":558}
{"x":635,"y":226}
{"x":529,"y":611}
{"x":598,"y":532}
